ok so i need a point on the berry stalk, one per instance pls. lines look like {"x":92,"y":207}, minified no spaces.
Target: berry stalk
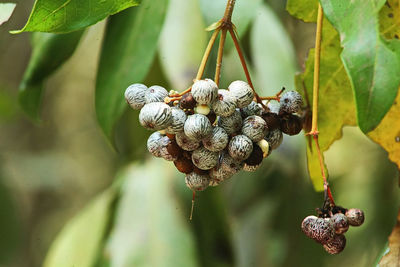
{"x":314,"y":127}
{"x":219,"y":56}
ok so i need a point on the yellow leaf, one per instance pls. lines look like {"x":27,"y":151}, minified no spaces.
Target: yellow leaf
{"x":387,"y":134}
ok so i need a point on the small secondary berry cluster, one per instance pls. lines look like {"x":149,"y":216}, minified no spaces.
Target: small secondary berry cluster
{"x":329,"y":227}
{"x":211,"y":134}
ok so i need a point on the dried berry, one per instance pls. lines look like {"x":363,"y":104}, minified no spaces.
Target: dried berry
{"x":197,"y":127}
{"x":318,"y":229}
{"x":187,"y":101}
{"x":336,"y":244}
{"x":340,"y":223}
{"x":155,"y":116}
{"x":212,"y":117}
{"x":204,"y":91}
{"x":184,"y":165}
{"x":134,"y":95}
{"x":242,"y":92}
{"x":355,"y":217}
{"x":217,"y":141}
{"x":155,"y":93}
{"x":240,"y":147}
{"x":254,"y":127}
{"x":272,"y":119}
{"x":226,"y":168}
{"x":197,"y":182}
{"x":256,"y":156}
{"x":225,"y":104}
{"x":169,"y":149}
{"x":291,"y":124}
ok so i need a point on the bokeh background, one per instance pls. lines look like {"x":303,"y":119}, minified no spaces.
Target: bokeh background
{"x":50,"y":171}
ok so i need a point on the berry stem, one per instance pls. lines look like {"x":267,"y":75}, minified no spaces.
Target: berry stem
{"x":314,"y":127}
{"x":229,"y":10}
{"x":219,"y":57}
{"x":191,"y":210}
{"x":206,"y":55}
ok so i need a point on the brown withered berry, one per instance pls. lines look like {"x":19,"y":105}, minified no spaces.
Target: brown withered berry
{"x":187,"y":101}
{"x":255,"y":157}
{"x":184,"y":165}
{"x":272,"y":120}
{"x":335,"y":245}
{"x":291,"y":124}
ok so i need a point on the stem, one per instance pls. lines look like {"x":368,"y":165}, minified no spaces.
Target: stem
{"x":244,"y":65}
{"x":191,"y":210}
{"x":229,"y":10}
{"x":219,"y":57}
{"x":314,"y":127}
{"x":206,"y":55}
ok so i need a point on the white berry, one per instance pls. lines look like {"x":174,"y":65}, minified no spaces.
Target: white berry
{"x":134,"y":95}
{"x":186,"y":143}
{"x":204,"y":159}
{"x":240,"y":147}
{"x":178,"y":121}
{"x":217,"y":141}
{"x":197,"y":127}
{"x":156,"y":93}
{"x":154,"y":144}
{"x":204,"y":91}
{"x":255,"y":128}
{"x":232,"y":123}
{"x":155,"y":116}
{"x":225,"y":104}
{"x":291,"y":102}
{"x":252,"y":109}
{"x":242,"y":92}
{"x":274,"y":138}
{"x":197,"y":182}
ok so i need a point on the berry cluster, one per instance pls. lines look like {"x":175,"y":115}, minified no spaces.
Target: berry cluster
{"x":329,"y":227}
{"x":211,"y":134}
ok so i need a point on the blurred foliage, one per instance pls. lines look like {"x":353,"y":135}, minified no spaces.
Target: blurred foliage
{"x":140,"y":216}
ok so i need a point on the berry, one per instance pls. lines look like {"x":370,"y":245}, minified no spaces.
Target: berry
{"x":187,"y":101}
{"x":186,"y":143}
{"x":178,"y":121}
{"x":197,"y":127}
{"x":274,"y":138}
{"x":291,"y":124}
{"x":204,"y":159}
{"x":217,"y":141}
{"x":336,"y":244}
{"x":340,"y":223}
{"x":319,"y":229}
{"x":264,"y":145}
{"x":202,"y":109}
{"x":254,"y":127}
{"x":184,"y":165}
{"x":226,"y":168}
{"x":291,"y":102}
{"x":212,"y":117}
{"x":274,"y":107}
{"x":231,"y":124}
{"x":169,"y":149}
{"x":355,"y":217}
{"x":255,"y":157}
{"x":197,"y":182}
{"x":134,"y":95}
{"x":204,"y":91}
{"x":240,"y":147}
{"x":242,"y":92}
{"x":154,"y":144}
{"x":155,"y":93}
{"x":272,"y":120}
{"x":251,"y":168}
{"x":155,"y":116}
{"x":225,"y":104}
{"x":252,"y":109}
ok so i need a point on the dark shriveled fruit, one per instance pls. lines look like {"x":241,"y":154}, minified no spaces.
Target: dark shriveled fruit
{"x":291,"y":124}
{"x":187,"y":101}
{"x":184,"y":165}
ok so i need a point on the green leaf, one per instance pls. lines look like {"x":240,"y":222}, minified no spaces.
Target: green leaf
{"x":150,"y":228}
{"x":372,"y":63}
{"x":80,"y":241}
{"x":182,"y":45}
{"x":50,"y":51}
{"x":271,"y":44}
{"x":305,"y":10}
{"x":128,"y":50}
{"x":71,"y":15}
{"x":336,"y":104}
{"x":6,"y":10}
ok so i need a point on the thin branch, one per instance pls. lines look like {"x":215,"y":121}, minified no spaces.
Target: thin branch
{"x":219,"y":57}
{"x":206,"y":55}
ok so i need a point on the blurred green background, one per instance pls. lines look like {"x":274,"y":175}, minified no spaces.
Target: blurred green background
{"x":49,"y":171}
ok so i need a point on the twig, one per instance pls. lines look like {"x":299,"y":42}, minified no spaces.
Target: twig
{"x":219,"y":56}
